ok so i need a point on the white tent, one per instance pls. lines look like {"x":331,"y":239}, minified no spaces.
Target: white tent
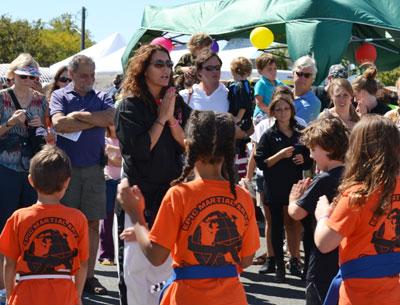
{"x":99,"y":51}
{"x":111,"y":63}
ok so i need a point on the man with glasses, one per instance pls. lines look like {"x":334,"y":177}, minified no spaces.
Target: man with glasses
{"x":209,"y":94}
{"x":307,"y":104}
{"x":79,"y":116}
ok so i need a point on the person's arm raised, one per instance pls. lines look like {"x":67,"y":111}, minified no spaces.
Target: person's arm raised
{"x":165,"y":113}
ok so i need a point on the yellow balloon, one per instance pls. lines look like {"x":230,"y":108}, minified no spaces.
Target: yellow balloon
{"x":261,"y":37}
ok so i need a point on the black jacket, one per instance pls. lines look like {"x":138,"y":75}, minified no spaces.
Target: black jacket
{"x":280,"y":177}
{"x":155,"y":169}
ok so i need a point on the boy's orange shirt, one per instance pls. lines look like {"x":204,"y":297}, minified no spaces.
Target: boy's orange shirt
{"x":365,"y":235}
{"x":202,"y":224}
{"x":45,"y":239}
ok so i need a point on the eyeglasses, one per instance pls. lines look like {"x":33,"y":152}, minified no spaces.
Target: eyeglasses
{"x":31,"y":77}
{"x":212,"y":68}
{"x":161,"y":64}
{"x":64,"y":79}
{"x":306,"y":75}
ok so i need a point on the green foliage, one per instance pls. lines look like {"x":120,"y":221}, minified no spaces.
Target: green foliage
{"x":389,"y":78}
{"x":48,"y":44}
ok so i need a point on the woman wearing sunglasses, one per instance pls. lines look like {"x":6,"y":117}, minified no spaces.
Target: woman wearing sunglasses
{"x":61,"y":79}
{"x":15,"y":120}
{"x":209,"y":94}
{"x":149,"y":125}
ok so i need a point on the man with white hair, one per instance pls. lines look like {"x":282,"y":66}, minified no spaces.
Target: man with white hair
{"x":307,"y":105}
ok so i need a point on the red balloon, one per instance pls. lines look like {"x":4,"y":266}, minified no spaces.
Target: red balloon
{"x":365,"y":52}
{"x":165,"y":42}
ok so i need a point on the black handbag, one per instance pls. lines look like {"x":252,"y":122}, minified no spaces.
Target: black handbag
{"x":36,"y":135}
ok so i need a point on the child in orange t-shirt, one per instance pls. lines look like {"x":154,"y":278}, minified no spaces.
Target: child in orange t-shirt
{"x":46,"y":244}
{"x":208,"y":225}
{"x":365,"y":221}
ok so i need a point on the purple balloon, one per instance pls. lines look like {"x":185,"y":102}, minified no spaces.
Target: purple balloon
{"x":214,"y":47}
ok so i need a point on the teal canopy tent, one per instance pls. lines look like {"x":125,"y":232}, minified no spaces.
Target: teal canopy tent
{"x":325,"y":29}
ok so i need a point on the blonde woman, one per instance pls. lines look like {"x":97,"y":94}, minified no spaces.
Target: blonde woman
{"x":15,"y":153}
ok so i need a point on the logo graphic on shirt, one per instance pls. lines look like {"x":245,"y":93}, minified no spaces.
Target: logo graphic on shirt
{"x":214,"y":237}
{"x":387,"y":237}
{"x":48,"y":249}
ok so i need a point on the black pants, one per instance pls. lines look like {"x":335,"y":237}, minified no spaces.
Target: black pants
{"x":308,"y":240}
{"x":316,"y":292}
{"x":277,"y":229}
{"x":121,"y":282}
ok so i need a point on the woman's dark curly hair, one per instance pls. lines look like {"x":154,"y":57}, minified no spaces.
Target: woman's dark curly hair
{"x":134,"y":83}
{"x":210,"y":138}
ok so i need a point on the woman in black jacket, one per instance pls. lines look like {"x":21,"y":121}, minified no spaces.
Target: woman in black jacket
{"x":282,"y":159}
{"x":149,"y":124}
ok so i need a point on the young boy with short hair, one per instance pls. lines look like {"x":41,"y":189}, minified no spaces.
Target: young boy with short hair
{"x":240,"y":98}
{"x":266,"y":66}
{"x":46,"y":244}
{"x":327,"y":139}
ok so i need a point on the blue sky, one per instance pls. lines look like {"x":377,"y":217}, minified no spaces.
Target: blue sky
{"x":103,"y":17}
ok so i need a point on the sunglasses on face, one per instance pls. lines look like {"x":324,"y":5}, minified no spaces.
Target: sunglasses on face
{"x":212,"y":68}
{"x":306,"y":75}
{"x":64,"y":79}
{"x":161,"y":63}
{"x":9,"y":80}
{"x":31,"y":77}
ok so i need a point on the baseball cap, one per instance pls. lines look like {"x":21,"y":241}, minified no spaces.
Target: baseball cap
{"x":338,"y":71}
{"x":27,"y":70}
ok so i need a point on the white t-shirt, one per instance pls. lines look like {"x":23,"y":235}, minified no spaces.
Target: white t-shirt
{"x":217,"y":101}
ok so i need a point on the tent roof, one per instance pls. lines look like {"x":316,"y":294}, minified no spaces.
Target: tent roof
{"x":115,"y":42}
{"x":322,"y":28}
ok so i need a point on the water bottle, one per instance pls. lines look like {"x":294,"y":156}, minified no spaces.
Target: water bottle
{"x":2,"y":297}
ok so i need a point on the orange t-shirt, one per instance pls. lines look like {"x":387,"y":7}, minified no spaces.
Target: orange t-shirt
{"x":202,"y":224}
{"x":45,"y":239}
{"x":363,"y":235}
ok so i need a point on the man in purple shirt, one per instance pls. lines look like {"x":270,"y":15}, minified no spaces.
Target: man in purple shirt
{"x":79,"y":115}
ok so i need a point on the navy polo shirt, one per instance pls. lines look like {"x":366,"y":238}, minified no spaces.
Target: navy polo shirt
{"x":89,"y":148}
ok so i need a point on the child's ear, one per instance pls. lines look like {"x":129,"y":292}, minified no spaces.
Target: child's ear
{"x":66,"y":183}
{"x":31,"y":181}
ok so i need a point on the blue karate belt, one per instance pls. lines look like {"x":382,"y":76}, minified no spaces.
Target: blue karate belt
{"x":199,"y":272}
{"x":366,"y":267}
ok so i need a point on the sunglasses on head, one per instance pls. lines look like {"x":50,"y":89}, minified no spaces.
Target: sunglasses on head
{"x":306,"y":75}
{"x":64,"y":79}
{"x":212,"y":68}
{"x":31,"y":77}
{"x":161,"y":63}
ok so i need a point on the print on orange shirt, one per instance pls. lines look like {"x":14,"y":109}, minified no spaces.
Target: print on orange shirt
{"x":387,"y":237}
{"x":48,"y":250}
{"x":216,"y":235}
